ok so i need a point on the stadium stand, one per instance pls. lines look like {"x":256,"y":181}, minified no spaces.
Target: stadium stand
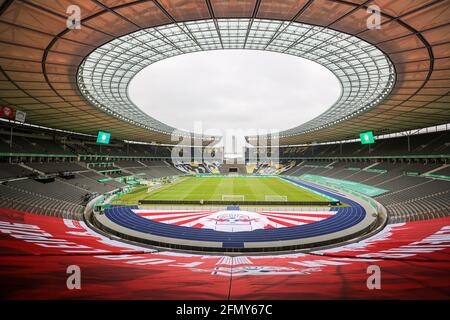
{"x":412,"y":195}
{"x":270,"y":167}
{"x":127,"y":164}
{"x":445,"y":171}
{"x":92,"y":185}
{"x":55,"y":167}
{"x":118,"y":149}
{"x":57,"y":189}
{"x":436,"y":143}
{"x":196,"y":168}
{"x":37,"y":142}
{"x":93,"y":175}
{"x":12,"y":171}
{"x":411,"y":175}
{"x":157,"y":169}
{"x":62,"y":83}
{"x":62,"y":197}
{"x":19,"y":196}
{"x":32,"y":146}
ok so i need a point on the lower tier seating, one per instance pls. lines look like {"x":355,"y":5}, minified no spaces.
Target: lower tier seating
{"x":19,"y":199}
{"x":409,"y":197}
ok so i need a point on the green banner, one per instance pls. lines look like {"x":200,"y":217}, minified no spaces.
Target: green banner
{"x":367,"y":137}
{"x":437,"y":176}
{"x":354,"y":186}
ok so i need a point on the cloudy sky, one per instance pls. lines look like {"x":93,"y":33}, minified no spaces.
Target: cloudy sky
{"x":231,"y":90}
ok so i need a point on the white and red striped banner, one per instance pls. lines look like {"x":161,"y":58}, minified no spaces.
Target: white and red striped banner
{"x":235,"y":220}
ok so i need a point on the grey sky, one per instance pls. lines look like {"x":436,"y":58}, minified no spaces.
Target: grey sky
{"x":234,"y":89}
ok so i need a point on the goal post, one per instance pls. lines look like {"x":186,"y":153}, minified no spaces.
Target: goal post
{"x":277,"y":198}
{"x":233,"y":197}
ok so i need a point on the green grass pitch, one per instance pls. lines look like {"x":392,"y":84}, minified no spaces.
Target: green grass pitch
{"x":213,"y":188}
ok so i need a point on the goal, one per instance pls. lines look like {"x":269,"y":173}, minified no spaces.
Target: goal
{"x":276,"y":198}
{"x":233,"y":197}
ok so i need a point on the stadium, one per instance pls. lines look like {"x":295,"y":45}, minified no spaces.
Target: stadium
{"x":101,"y":199}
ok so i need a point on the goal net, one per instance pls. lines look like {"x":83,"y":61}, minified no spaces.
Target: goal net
{"x":233,"y":197}
{"x":276,"y":198}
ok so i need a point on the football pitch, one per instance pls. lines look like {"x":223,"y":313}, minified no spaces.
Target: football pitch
{"x":226,"y":188}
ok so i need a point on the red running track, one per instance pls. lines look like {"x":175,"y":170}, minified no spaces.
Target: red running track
{"x":35,"y":251}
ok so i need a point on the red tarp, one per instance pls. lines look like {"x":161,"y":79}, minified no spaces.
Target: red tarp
{"x":35,"y":252}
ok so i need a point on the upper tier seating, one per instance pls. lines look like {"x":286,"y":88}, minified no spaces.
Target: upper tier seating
{"x":421,"y":144}
{"x":32,"y":145}
{"x":117,"y":149}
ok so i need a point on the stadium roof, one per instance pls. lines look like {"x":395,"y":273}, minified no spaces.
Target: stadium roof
{"x":40,"y":58}
{"x":365,"y":73}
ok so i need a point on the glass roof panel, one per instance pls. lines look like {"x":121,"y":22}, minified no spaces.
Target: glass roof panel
{"x":366,"y":74}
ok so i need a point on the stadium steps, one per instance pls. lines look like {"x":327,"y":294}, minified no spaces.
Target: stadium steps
{"x":72,"y":185}
{"x":67,"y":196}
{"x":336,"y":173}
{"x":432,"y":206}
{"x":27,"y":201}
{"x":31,"y":169}
{"x":291,"y":171}
{"x":126,"y":171}
{"x":381,"y":178}
{"x":353,"y":173}
{"x":9,"y":171}
{"x":389,"y":180}
{"x":390,"y":194}
{"x":362,"y":176}
{"x":373,"y":177}
{"x":141,"y":163}
{"x":371,"y":166}
{"x":295,"y":169}
{"x":437,"y":169}
{"x":84,"y":181}
{"x":429,"y":143}
{"x":331,"y":164}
